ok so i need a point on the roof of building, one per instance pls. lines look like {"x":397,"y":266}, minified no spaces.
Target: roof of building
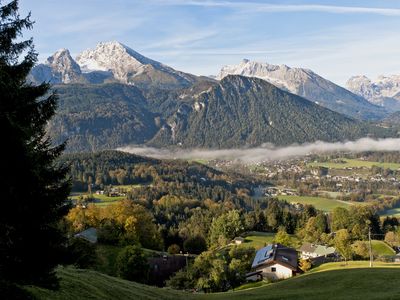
{"x":89,"y":234}
{"x":319,"y":250}
{"x":308,"y":247}
{"x":276,"y":253}
{"x":324,"y":250}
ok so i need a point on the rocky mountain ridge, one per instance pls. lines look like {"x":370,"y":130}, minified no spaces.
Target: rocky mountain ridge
{"x":383,"y":91}
{"x":307,"y":84}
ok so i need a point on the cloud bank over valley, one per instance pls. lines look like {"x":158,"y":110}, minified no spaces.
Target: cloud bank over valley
{"x":268,"y":152}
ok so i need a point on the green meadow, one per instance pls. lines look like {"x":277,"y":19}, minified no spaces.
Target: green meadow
{"x":354,"y":280}
{"x":321,"y":203}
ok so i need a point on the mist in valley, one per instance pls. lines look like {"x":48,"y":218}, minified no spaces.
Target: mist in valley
{"x":269,"y":152}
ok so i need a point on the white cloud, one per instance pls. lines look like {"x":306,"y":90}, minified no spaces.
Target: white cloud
{"x":269,"y":152}
{"x":271,"y":8}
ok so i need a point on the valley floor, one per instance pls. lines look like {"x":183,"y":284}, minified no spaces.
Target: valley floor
{"x":330,"y":281}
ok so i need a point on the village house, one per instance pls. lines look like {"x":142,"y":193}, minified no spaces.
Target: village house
{"x":89,"y":235}
{"x":238,"y":240}
{"x":317,"y":254}
{"x":274,"y":262}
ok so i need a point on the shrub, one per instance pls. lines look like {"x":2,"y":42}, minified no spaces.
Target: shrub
{"x":195,"y":245}
{"x":305,"y":265}
{"x":109,"y":232}
{"x":82,"y":253}
{"x":173,"y":249}
{"x":132,"y":264}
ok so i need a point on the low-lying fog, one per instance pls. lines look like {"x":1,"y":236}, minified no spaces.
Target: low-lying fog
{"x":268,"y":151}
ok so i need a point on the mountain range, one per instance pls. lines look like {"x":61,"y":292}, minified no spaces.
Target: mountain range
{"x":383,"y":91}
{"x":109,"y":62}
{"x":307,"y":84}
{"x":112,"y":96}
{"x":242,"y":111}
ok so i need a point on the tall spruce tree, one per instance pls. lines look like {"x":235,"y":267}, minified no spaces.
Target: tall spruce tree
{"x":33,"y":190}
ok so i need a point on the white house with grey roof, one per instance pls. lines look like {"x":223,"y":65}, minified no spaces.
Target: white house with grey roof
{"x":89,"y":235}
{"x":274,"y":262}
{"x":310,"y":251}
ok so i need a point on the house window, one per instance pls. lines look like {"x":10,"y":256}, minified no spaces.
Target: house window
{"x":273,"y":269}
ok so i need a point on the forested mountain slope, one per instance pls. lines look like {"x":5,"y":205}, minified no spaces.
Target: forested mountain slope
{"x":235,"y":112}
{"x":242,"y":111}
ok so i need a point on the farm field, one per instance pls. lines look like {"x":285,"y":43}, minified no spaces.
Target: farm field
{"x":329,"y":281}
{"x":103,"y":200}
{"x":257,"y":239}
{"x":381,"y":248}
{"x":320,"y":203}
{"x":354,"y":163}
{"x":100,"y":200}
{"x":352,"y":265}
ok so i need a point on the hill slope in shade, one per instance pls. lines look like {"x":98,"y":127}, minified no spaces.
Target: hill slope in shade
{"x":393,"y":119}
{"x":236,"y":112}
{"x":307,"y":84}
{"x":93,"y":117}
{"x":331,"y":281}
{"x":242,"y":111}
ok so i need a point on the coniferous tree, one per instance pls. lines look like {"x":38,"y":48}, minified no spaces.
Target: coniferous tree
{"x":34,"y":191}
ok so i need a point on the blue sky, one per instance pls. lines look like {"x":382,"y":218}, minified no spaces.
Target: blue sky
{"x":336,"y":39}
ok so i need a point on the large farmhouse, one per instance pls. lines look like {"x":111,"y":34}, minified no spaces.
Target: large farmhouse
{"x":310,"y":251}
{"x":274,"y":262}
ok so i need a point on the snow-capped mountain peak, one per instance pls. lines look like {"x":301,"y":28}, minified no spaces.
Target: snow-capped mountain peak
{"x":60,"y":67}
{"x":108,"y":62}
{"x":383,"y":91}
{"x":121,"y":60}
{"x":282,"y":76}
{"x":307,"y":84}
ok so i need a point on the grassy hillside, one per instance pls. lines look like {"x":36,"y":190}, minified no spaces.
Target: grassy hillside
{"x":257,"y":239}
{"x":320,"y":203}
{"x":86,"y":284}
{"x":381,"y":248}
{"x":330,"y":281}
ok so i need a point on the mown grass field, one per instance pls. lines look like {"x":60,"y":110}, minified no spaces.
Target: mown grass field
{"x":100,"y":200}
{"x":354,"y":163}
{"x":352,"y":265}
{"x":381,"y":248}
{"x":320,"y":203}
{"x":257,"y":239}
{"x":329,"y":281}
{"x":103,"y":200}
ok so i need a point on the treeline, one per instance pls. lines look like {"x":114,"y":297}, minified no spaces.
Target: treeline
{"x":157,"y":178}
{"x":380,"y":156}
{"x":189,"y":207}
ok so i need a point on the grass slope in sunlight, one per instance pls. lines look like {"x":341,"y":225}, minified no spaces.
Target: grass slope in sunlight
{"x":320,"y":203}
{"x":329,"y":281}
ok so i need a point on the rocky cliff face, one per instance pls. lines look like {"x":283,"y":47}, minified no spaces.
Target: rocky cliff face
{"x":383,"y":91}
{"x":58,"y":68}
{"x":109,"y":62}
{"x":307,"y":84}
